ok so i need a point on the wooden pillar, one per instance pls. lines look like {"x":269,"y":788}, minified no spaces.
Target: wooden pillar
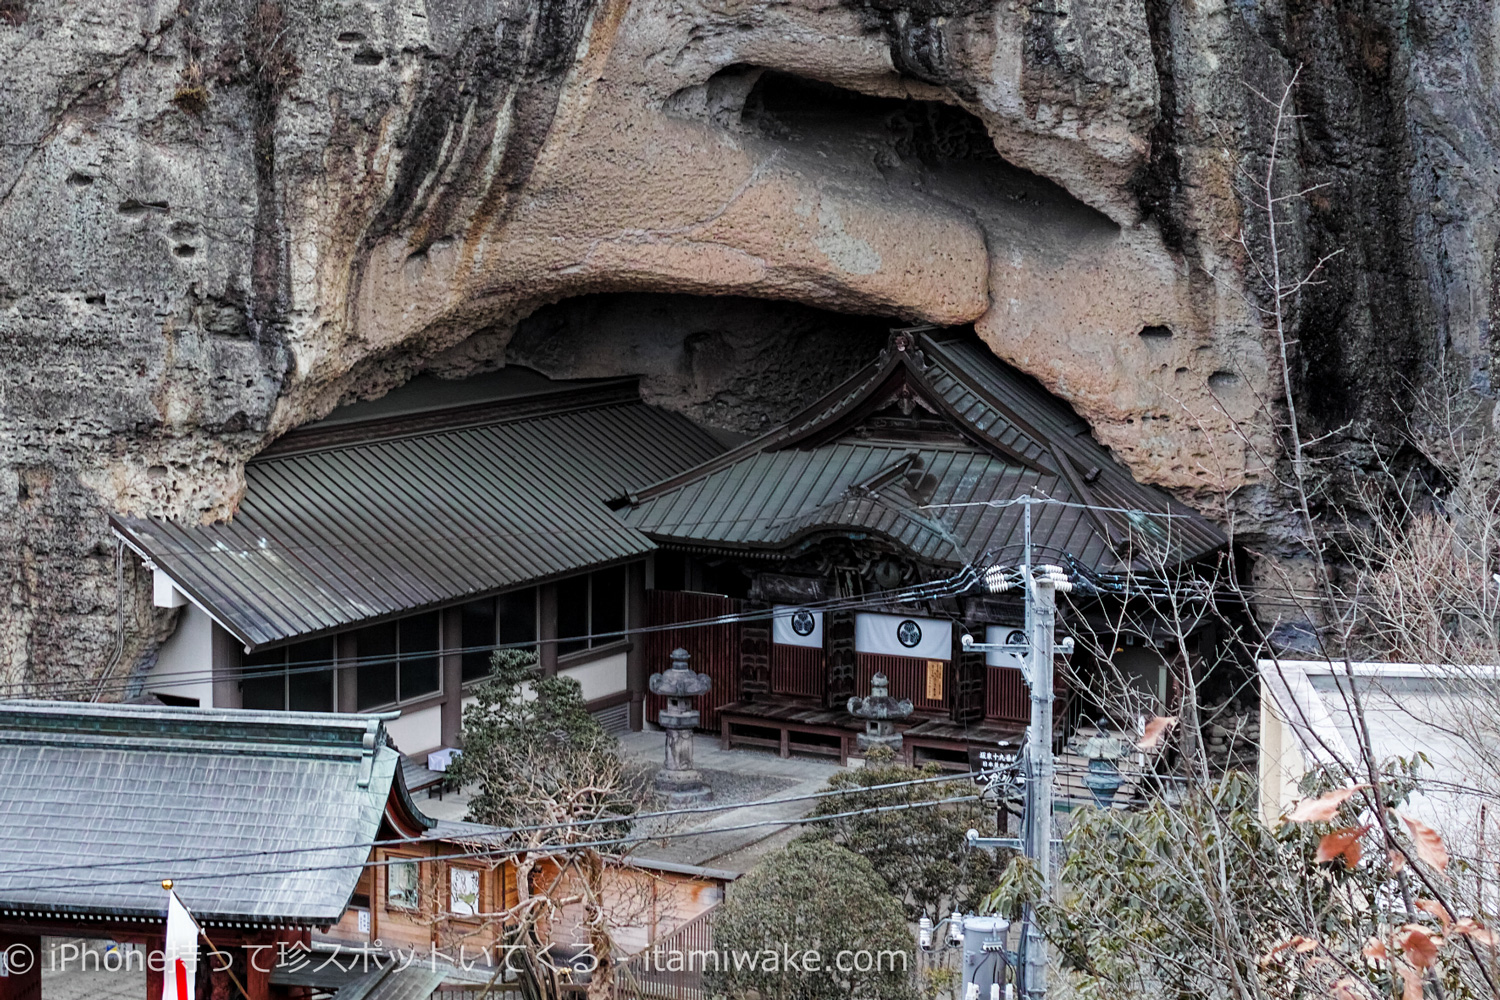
{"x":155,"y":949}
{"x":227,"y":655}
{"x":345,"y":650}
{"x":755,"y":653}
{"x":842,"y":675}
{"x":21,"y":975}
{"x":547,"y":628}
{"x":452,"y":638}
{"x":637,"y":670}
{"x":259,"y":961}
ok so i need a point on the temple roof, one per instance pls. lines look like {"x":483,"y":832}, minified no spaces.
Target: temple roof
{"x":926,"y":447}
{"x":390,"y":507}
{"x":257,"y":817}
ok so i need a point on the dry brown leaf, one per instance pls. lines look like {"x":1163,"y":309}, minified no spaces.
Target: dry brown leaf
{"x":1342,"y":843}
{"x":1374,"y":948}
{"x":1413,"y":980}
{"x":1279,"y":947}
{"x":1155,"y":730}
{"x":1323,"y":808}
{"x":1429,"y":845}
{"x":1436,"y":909}
{"x":1418,"y":946}
{"x":1303,"y":944}
{"x":1398,"y":860}
{"x":1347,"y":989}
{"x":1468,"y":927}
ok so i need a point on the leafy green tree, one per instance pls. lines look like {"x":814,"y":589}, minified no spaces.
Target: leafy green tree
{"x":536,"y":763}
{"x":533,"y":754}
{"x":804,"y":911}
{"x":923,"y":853}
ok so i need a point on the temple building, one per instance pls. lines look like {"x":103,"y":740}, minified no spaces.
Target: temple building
{"x":260,"y":820}
{"x":847,"y":542}
{"x":379,"y":555}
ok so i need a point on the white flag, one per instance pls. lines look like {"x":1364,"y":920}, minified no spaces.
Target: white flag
{"x":897,"y":635}
{"x":791,"y":626}
{"x":180,"y":971}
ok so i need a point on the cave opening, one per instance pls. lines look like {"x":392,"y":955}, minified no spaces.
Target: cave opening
{"x":906,"y":144}
{"x":731,"y":363}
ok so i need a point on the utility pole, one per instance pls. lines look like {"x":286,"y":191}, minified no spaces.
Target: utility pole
{"x":1041,"y":585}
{"x":1041,"y":593}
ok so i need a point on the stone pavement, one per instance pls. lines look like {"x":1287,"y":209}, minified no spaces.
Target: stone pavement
{"x":735,"y":850}
{"x":737,"y":776}
{"x":93,"y":985}
{"x":64,"y":979}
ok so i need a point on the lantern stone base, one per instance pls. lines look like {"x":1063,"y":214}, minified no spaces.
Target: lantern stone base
{"x":682,"y":788}
{"x":865,"y":742}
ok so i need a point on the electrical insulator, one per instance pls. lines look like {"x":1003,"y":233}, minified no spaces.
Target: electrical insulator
{"x":995,"y":580}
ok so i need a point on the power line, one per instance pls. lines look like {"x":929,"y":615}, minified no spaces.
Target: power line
{"x":966,"y":578}
{"x":499,"y":832}
{"x":501,"y":853}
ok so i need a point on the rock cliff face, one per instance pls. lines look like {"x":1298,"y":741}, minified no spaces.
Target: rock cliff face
{"x":219,"y":218}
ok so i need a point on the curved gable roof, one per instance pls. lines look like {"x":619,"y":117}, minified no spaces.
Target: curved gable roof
{"x":924,"y":447}
{"x":347,"y":523}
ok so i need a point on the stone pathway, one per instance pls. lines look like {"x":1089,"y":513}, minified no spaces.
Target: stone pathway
{"x":65,"y":978}
{"x":735,"y":850}
{"x":745,"y":778}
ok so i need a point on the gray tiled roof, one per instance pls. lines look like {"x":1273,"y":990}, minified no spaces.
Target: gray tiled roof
{"x":102,"y":802}
{"x":414,"y":982}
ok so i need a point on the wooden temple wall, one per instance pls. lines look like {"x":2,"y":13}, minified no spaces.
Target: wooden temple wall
{"x":1006,"y":696}
{"x":928,"y":683}
{"x":797,"y":671}
{"x":715,"y":649}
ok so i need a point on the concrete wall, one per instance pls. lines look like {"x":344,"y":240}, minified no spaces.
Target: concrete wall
{"x":184,"y":666}
{"x":418,"y":732}
{"x":600,"y":677}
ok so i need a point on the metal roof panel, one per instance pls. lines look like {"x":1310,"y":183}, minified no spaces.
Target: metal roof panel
{"x":367,"y":529}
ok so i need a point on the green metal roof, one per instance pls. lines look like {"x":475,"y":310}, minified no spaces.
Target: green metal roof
{"x":912,"y":449}
{"x":350,"y":522}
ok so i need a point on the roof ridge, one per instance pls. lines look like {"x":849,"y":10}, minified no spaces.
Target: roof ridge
{"x":431,"y":423}
{"x":172,"y":727}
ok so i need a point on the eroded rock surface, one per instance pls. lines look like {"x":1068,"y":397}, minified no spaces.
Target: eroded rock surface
{"x":219,"y":218}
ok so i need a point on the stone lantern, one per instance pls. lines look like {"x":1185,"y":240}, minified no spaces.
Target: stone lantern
{"x":1103,"y":778}
{"x":678,"y":780}
{"x":880,"y":712}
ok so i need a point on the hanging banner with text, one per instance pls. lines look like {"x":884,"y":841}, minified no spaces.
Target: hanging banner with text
{"x":1009,"y":635}
{"x":794,"y":626}
{"x":897,"y":635}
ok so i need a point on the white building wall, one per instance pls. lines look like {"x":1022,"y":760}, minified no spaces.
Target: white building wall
{"x":184,"y":666}
{"x":418,"y":732}
{"x":601,"y":677}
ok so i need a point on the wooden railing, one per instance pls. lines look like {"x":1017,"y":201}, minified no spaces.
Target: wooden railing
{"x":648,"y":975}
